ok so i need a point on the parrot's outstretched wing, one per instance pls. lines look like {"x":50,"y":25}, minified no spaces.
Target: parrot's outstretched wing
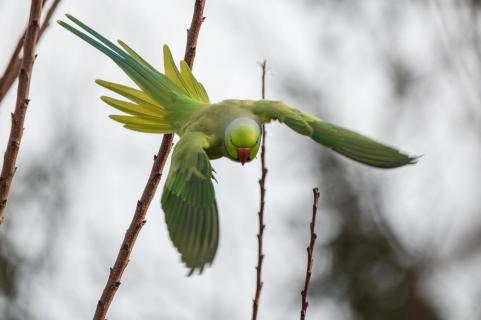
{"x":188,"y":201}
{"x":346,"y":142}
{"x":164,"y":101}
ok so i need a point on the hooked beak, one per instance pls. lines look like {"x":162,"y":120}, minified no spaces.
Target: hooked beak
{"x":243,"y":154}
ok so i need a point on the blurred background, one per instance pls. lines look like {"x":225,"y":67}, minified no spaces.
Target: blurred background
{"x":392,"y":244}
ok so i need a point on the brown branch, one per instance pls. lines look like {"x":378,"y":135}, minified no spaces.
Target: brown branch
{"x":193,"y":32}
{"x":310,"y":250}
{"x":138,"y":220}
{"x":262,"y":226}
{"x":18,"y":117}
{"x":11,"y":72}
{"x":13,"y":66}
{"x":48,"y":16}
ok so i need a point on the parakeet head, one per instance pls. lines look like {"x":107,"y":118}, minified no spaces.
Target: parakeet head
{"x":242,"y":139}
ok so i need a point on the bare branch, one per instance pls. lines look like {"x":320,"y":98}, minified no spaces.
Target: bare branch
{"x":193,"y":32}
{"x":310,"y":250}
{"x":18,"y":117}
{"x":138,"y":220}
{"x":262,"y":226}
{"x":13,"y":66}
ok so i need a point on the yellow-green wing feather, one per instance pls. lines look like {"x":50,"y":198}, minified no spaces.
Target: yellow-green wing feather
{"x":188,"y":201}
{"x":171,"y":70}
{"x":184,"y":79}
{"x":132,"y":94}
{"x":195,"y":88}
{"x":344,"y":141}
{"x":133,"y":108}
{"x":145,"y":115}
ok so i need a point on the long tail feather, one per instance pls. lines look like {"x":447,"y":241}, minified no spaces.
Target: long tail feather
{"x":153,"y":83}
{"x":132,"y":94}
{"x":173,"y":96}
{"x":132,"y":108}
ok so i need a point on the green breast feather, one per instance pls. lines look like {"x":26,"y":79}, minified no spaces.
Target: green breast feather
{"x":175,"y":102}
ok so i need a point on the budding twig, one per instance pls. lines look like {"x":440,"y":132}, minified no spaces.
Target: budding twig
{"x":262,"y":183}
{"x":310,"y":249}
{"x":18,"y":117}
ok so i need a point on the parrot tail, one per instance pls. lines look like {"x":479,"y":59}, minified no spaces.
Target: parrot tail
{"x":163,"y":102}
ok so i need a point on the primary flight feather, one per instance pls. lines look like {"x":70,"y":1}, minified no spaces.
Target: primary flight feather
{"x":175,"y":102}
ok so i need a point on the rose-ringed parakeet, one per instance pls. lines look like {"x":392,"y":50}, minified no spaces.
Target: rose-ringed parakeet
{"x":175,"y":102}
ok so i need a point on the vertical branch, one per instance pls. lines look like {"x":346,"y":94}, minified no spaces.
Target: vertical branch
{"x":264,"y":72}
{"x":193,"y":32}
{"x":18,"y":117}
{"x":310,"y":249}
{"x":13,"y":66}
{"x":262,"y":226}
{"x":138,"y":219}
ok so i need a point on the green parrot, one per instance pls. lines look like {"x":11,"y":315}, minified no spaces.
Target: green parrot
{"x":175,"y":102}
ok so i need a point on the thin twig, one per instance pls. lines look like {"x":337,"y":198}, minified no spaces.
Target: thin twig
{"x":13,"y":66}
{"x":18,"y":117}
{"x":138,"y":220}
{"x":262,"y":226}
{"x":48,"y":16}
{"x":310,"y":250}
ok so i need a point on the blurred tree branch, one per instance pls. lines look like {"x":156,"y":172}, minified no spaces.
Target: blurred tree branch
{"x":138,"y":219}
{"x":262,"y":226}
{"x":13,"y":66}
{"x":42,"y":196}
{"x":18,"y":117}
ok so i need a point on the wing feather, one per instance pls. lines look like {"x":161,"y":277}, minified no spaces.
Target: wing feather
{"x":344,"y":141}
{"x":188,"y":201}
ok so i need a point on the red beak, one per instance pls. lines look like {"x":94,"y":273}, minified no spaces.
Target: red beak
{"x":243,"y":154}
